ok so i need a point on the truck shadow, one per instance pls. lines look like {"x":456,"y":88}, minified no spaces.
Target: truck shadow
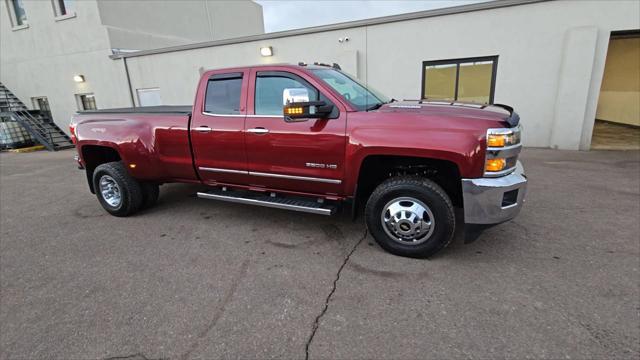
{"x":182,"y":198}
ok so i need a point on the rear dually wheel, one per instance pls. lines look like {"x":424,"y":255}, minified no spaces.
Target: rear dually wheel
{"x":118,"y":192}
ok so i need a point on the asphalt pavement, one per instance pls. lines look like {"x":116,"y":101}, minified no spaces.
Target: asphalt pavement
{"x":199,"y":279}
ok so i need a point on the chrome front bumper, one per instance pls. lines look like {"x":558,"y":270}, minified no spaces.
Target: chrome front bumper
{"x":494,"y":200}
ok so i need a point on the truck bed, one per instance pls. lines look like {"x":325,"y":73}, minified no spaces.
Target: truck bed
{"x":164,"y":109}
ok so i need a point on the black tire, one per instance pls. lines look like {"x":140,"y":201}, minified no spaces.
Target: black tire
{"x":130,"y":189}
{"x":150,"y":193}
{"x":423,"y":190}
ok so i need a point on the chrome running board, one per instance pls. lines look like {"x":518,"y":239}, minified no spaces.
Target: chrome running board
{"x":262,"y":199}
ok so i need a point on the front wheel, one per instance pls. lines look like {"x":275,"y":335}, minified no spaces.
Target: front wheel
{"x":410,"y":216}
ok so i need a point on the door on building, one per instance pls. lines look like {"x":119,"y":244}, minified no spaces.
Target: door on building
{"x":617,"y":123}
{"x":42,"y":103}
{"x":303,"y":156}
{"x":217,"y":127}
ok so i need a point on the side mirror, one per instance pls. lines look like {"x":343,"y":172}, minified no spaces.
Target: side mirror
{"x":298,"y":108}
{"x":303,"y":111}
{"x":295,"y":95}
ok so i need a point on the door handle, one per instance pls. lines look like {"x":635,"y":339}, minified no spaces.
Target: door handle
{"x":203,"y":129}
{"x":258,"y":131}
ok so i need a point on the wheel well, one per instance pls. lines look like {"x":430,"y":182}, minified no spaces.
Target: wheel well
{"x":377,"y":168}
{"x":94,"y":156}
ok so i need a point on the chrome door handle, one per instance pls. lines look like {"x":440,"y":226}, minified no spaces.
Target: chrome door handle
{"x":258,"y":130}
{"x":203,"y":129}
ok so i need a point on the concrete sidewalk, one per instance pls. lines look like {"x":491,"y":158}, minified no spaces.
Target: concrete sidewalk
{"x":193,"y":278}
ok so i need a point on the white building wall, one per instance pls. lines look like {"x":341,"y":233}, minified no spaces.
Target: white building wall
{"x":551,"y":77}
{"x":148,"y":24}
{"x":531,"y":41}
{"x":41,"y":59}
{"x":546,"y":50}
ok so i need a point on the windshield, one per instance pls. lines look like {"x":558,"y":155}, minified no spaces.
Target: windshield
{"x":358,"y":95}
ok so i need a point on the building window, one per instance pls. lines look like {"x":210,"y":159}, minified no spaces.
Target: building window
{"x":149,"y":97}
{"x":16,"y":13}
{"x":86,"y":102}
{"x":41,"y":103}
{"x":64,"y":9}
{"x":471,"y":79}
{"x":223,"y":94}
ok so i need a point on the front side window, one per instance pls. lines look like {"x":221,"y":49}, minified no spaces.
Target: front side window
{"x":17,"y":13}
{"x":223,"y":94}
{"x":269,"y":88}
{"x":360,"y":96}
{"x":460,"y":80}
{"x":86,"y":102}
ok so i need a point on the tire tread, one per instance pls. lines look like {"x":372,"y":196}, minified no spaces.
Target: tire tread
{"x":133,"y":192}
{"x":417,"y":182}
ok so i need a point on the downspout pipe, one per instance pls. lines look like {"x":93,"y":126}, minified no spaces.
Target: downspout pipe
{"x":126,"y":70}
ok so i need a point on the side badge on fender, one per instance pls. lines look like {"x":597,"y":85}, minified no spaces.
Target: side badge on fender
{"x":321,"y":166}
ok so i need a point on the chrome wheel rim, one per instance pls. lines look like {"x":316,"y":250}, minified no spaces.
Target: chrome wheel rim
{"x":110,"y":191}
{"x":407,"y":220}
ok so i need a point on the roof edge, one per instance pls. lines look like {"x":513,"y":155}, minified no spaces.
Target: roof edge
{"x":489,"y":5}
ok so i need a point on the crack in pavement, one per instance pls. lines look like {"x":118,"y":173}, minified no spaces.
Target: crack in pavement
{"x":225,"y":301}
{"x":316,"y":323}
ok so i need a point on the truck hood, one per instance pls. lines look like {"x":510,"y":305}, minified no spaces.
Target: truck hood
{"x":502,"y":114}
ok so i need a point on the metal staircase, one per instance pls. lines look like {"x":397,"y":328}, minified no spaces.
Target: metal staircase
{"x":38,"y":123}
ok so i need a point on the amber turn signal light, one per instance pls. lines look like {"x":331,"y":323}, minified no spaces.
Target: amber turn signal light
{"x":496,"y":140}
{"x":297,"y":110}
{"x":495,"y":165}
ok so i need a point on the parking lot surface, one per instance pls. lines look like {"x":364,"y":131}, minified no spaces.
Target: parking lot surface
{"x":193,"y":278}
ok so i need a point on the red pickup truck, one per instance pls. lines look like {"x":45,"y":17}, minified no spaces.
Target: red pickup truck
{"x":309,"y":138}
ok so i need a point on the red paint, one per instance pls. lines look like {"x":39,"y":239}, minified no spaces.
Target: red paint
{"x":223,"y":147}
{"x":159,"y":144}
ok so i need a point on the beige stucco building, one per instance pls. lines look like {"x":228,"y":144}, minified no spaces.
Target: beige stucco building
{"x":545,"y":58}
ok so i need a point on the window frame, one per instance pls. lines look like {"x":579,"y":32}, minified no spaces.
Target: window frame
{"x":457,"y":62}
{"x":224,"y":76}
{"x":284,"y":74}
{"x":57,"y":11}
{"x":36,"y":103}
{"x":80,"y":103}
{"x":13,"y":16}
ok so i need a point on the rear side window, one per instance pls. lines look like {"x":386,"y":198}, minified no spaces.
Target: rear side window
{"x":223,"y":94}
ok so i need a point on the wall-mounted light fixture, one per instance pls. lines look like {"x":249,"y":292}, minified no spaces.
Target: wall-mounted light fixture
{"x":266,"y":51}
{"x":78,"y":78}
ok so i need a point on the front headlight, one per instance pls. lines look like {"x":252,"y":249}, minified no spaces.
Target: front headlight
{"x":497,"y":138}
{"x":503,"y":147}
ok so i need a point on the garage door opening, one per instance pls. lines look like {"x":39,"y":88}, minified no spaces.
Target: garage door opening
{"x":617,"y":124}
